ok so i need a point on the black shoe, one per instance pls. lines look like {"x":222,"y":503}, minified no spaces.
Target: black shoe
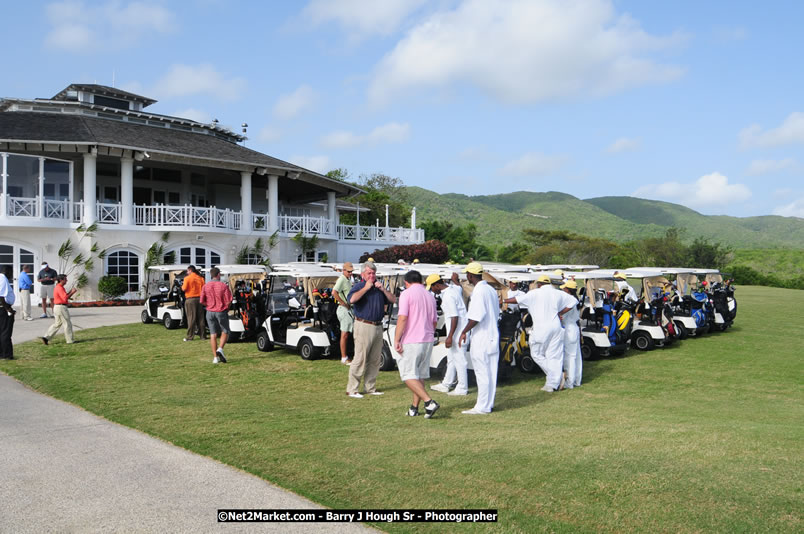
{"x":430,"y":408}
{"x":413,"y":411}
{"x":7,"y":357}
{"x":44,"y":340}
{"x":219,"y":352}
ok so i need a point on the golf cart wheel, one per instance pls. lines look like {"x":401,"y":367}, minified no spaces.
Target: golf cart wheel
{"x":169,"y":322}
{"x":588,"y":349}
{"x":681,"y":330}
{"x":642,"y":341}
{"x":527,"y":365}
{"x":386,"y":360}
{"x":307,"y":350}
{"x":264,"y":343}
{"x":146,"y":319}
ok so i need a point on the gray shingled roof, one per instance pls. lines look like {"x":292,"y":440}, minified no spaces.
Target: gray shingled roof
{"x":33,"y":127}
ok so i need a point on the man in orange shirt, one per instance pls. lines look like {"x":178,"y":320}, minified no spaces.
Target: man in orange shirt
{"x":60,"y":311}
{"x":192,"y":285}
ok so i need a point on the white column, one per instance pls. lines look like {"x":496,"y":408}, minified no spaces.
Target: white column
{"x":245,"y":202}
{"x":413,"y":219}
{"x":273,"y":203}
{"x":71,"y":207}
{"x":41,"y":188}
{"x":332,"y":212}
{"x":90,"y":180}
{"x":4,"y":176}
{"x":126,"y":191}
{"x":386,"y":217}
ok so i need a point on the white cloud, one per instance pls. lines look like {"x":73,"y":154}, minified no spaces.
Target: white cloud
{"x":393,"y":132}
{"x":790,"y":132}
{"x":360,"y":18}
{"x":291,"y":105}
{"x":767,"y":166}
{"x":184,"y":80}
{"x":533,"y":164}
{"x":624,"y":144}
{"x":319,"y":164}
{"x":100,"y":27}
{"x":710,"y":190}
{"x":794,"y":209}
{"x":194,"y":115}
{"x":269,"y":134}
{"x":526,"y":52}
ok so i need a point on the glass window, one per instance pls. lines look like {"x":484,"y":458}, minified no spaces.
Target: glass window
{"x":23,"y":176}
{"x":174,"y":198}
{"x":199,"y":256}
{"x":57,"y":180}
{"x":110,"y":102}
{"x":125,"y":264}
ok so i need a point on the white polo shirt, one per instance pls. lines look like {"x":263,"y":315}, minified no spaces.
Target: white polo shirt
{"x":452,"y":305}
{"x":512,"y":294}
{"x":485,"y":309}
{"x":6,"y":291}
{"x":544,"y":304}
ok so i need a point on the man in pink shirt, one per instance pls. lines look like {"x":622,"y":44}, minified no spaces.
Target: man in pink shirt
{"x":216,"y":297}
{"x":413,"y":340}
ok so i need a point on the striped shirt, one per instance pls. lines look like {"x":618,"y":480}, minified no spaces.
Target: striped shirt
{"x":216,"y":296}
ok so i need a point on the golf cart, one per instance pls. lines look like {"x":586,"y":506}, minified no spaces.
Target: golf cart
{"x":653,"y":326}
{"x":245,"y":311}
{"x":164,"y":298}
{"x":721,"y":298}
{"x":607,"y":320}
{"x":300,"y":311}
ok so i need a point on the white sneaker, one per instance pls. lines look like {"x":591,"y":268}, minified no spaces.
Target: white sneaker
{"x":458,"y":392}
{"x":216,"y":360}
{"x":548,"y":389}
{"x":376,"y":393}
{"x":29,"y":318}
{"x":473,"y":412}
{"x":355,"y":395}
{"x":440,"y":387}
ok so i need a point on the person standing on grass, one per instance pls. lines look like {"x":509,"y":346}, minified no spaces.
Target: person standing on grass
{"x":513,"y":292}
{"x":61,"y":298}
{"x":455,"y":316}
{"x":192,"y":285}
{"x":573,"y":362}
{"x":47,"y":285}
{"x":547,"y":306}
{"x":483,"y":315}
{"x":26,"y":286}
{"x":413,"y":340}
{"x":6,"y":313}
{"x":345,"y":316}
{"x":368,"y":299}
{"x":217,"y":297}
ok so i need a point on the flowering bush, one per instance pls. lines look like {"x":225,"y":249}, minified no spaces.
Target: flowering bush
{"x":427,"y":252}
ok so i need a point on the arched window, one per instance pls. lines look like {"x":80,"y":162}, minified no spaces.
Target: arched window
{"x":126,"y":265}
{"x":199,"y":256}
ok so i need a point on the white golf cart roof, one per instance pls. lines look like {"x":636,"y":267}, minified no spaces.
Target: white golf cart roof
{"x":592,"y":275}
{"x":166,"y":268}
{"x":239,"y":269}
{"x":563,"y":266}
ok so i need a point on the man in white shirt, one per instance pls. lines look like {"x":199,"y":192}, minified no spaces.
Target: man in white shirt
{"x":6,"y":313}
{"x":546,"y":306}
{"x":514,"y":292}
{"x":483,"y":314}
{"x":624,"y":288}
{"x":573,"y":363}
{"x":454,"y":310}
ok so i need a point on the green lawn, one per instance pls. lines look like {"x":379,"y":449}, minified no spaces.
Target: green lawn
{"x":704,"y":436}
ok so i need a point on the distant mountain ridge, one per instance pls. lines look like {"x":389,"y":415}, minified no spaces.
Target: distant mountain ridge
{"x":500,"y":219}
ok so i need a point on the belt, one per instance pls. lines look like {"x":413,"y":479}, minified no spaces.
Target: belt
{"x":375,"y":323}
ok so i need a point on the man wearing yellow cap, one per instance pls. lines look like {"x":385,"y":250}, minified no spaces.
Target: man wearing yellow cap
{"x":573,"y":362}
{"x":624,"y":288}
{"x":345,"y":316}
{"x":546,"y":307}
{"x":454,"y":310}
{"x":483,"y":314}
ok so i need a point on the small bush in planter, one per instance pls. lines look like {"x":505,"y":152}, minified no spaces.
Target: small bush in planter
{"x":112,"y":287}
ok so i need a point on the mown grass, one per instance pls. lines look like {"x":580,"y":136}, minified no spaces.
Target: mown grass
{"x":703,"y":436}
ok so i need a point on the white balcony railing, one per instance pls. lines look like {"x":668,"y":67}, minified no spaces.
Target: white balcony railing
{"x":305,"y":225}
{"x":192,"y":216}
{"x":22,"y":207}
{"x":378,"y":233}
{"x":106,"y":213}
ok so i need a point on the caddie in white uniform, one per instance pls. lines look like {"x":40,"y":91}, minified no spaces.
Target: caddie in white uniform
{"x":546,"y":306}
{"x":483,"y":314}
{"x":513,"y":292}
{"x":573,"y":362}
{"x":455,"y":317}
{"x":623,"y":286}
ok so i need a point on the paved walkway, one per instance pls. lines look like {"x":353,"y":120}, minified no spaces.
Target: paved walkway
{"x":63,"y":469}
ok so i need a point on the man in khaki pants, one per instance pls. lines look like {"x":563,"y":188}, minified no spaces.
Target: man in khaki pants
{"x":368,"y":298}
{"x":60,"y":310}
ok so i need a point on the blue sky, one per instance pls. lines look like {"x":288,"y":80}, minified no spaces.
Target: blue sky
{"x":697,"y":103}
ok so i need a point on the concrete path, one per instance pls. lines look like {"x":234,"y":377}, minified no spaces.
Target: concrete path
{"x":63,"y":469}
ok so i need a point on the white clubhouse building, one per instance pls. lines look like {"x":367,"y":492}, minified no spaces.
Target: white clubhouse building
{"x":91,"y":154}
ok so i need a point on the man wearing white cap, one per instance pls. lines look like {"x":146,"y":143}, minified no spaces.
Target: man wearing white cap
{"x":483,"y":314}
{"x":546,"y":306}
{"x":573,"y":363}
{"x":455,"y":316}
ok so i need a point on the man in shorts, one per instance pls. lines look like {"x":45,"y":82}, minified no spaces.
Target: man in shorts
{"x":47,"y":282}
{"x":217,"y":297}
{"x":413,"y":340}
{"x":345,"y":316}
